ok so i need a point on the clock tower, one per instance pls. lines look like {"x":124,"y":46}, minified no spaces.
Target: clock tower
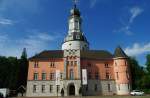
{"x":75,"y":39}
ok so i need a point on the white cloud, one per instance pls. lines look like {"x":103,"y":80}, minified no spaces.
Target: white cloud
{"x":126,"y":25}
{"x":137,"y":49}
{"x":4,"y":21}
{"x":135,"y":11}
{"x":35,"y":42}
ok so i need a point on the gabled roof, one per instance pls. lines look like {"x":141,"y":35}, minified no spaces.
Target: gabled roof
{"x":119,"y":52}
{"x":96,"y":54}
{"x":48,"y":54}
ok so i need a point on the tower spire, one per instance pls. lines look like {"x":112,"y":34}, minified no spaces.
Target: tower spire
{"x":75,"y":3}
{"x":75,"y":38}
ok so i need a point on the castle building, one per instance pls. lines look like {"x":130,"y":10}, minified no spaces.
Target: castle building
{"x":107,"y":73}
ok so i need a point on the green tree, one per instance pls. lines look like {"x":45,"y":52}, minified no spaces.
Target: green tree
{"x":148,"y":63}
{"x":137,"y":73}
{"x":23,"y":69}
{"x":146,"y":79}
{"x":8,"y":72}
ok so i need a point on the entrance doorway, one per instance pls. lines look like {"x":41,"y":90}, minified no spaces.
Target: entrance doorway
{"x":71,"y":90}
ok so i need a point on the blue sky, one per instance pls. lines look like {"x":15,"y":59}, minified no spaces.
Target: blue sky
{"x":42,"y":25}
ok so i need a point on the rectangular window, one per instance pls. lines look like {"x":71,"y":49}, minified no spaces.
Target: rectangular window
{"x":117,"y":75}
{"x":109,"y":87}
{"x":127,"y":74}
{"x":43,"y":76}
{"x":43,"y":88}
{"x":52,"y":77}
{"x":95,"y":87}
{"x":126,"y":63}
{"x":51,"y":88}
{"x":128,"y":86}
{"x":34,"y":88}
{"x":58,"y":88}
{"x":107,"y":75}
{"x":61,"y":75}
{"x":35,"y":76}
{"x":118,"y":86}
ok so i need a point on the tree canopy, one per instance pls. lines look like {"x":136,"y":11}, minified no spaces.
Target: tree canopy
{"x":13,"y":71}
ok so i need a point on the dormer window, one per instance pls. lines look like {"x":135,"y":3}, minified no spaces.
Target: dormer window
{"x":106,"y":65}
{"x":36,"y":65}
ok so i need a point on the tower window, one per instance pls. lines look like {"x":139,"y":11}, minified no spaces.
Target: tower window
{"x":127,"y":74}
{"x":71,"y":74}
{"x":67,"y":62}
{"x":126,"y":63}
{"x":77,"y":36}
{"x":75,"y":63}
{"x":71,"y":63}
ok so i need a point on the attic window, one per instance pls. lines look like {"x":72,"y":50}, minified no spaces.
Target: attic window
{"x":106,"y":65}
{"x":36,"y":65}
{"x":52,"y":64}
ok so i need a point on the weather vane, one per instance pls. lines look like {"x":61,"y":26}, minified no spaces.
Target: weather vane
{"x":75,"y":3}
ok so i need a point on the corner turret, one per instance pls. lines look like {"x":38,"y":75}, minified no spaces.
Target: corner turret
{"x":121,"y":71}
